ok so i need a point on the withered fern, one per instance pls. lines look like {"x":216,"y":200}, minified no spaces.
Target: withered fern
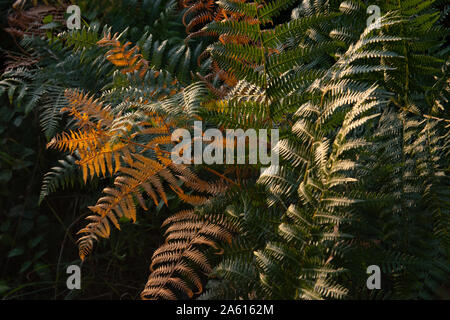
{"x":177,"y":264}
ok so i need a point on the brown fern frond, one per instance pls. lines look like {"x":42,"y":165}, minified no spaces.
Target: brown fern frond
{"x":29,"y":22}
{"x":202,"y":12}
{"x":199,"y":20}
{"x":14,"y":60}
{"x":176,"y":265}
{"x":192,"y":199}
{"x":198,"y":6}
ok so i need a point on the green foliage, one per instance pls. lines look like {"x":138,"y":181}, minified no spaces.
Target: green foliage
{"x":364,"y":149}
{"x":346,"y":205}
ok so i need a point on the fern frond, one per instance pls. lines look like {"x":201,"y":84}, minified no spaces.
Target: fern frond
{"x":178,"y":264}
{"x":60,"y":177}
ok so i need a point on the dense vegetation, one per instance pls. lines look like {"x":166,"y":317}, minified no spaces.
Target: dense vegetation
{"x":363,"y":119}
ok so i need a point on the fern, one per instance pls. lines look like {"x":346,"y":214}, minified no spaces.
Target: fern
{"x":60,"y":177}
{"x":107,"y":146}
{"x":317,"y":182}
{"x":362,"y":117}
{"x":176,"y":264}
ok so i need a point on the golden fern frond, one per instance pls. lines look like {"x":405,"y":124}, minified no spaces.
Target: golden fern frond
{"x":98,"y":153}
{"x":141,"y":176}
{"x":130,"y":60}
{"x":96,"y":156}
{"x":192,"y":199}
{"x":98,"y":142}
{"x":108,"y":144}
{"x":72,"y":141}
{"x":106,"y":159}
{"x":177,"y":263}
{"x":157,"y":84}
{"x":87,"y":110}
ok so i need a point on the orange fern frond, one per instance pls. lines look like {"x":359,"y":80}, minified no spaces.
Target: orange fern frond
{"x":76,"y":140}
{"x":130,"y":60}
{"x":87,"y":109}
{"x":141,"y":175}
{"x":96,"y":141}
{"x":99,"y":162}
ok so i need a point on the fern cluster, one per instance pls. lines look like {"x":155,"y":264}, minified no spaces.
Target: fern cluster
{"x":364,"y":142}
